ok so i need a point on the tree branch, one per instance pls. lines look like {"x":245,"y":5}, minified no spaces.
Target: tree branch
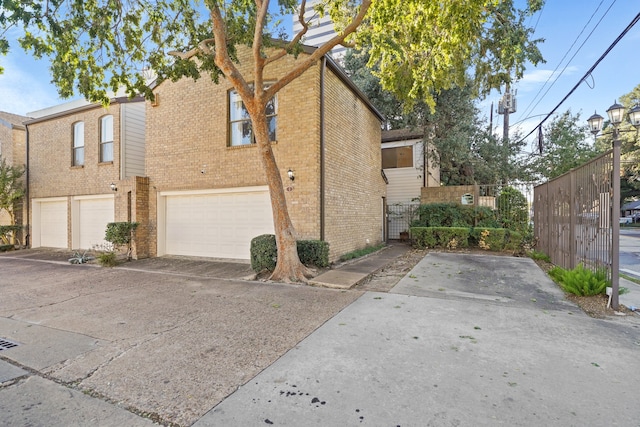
{"x":203,"y":47}
{"x":258,"y":60}
{"x":222,"y":59}
{"x":305,"y":27}
{"x":320,"y":52}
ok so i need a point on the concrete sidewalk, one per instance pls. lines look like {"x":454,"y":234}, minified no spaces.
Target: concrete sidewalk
{"x":350,"y":274}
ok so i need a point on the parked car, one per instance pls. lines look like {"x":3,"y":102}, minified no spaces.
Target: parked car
{"x":626,"y":220}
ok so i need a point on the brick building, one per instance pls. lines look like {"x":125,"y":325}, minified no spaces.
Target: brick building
{"x":76,"y":151}
{"x":208,"y":190}
{"x":192,"y":177}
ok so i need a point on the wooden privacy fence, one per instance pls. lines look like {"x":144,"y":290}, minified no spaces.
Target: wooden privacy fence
{"x":573,"y":216}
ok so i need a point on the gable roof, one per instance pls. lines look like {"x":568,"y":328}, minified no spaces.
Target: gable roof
{"x":11,"y":120}
{"x":631,"y":205}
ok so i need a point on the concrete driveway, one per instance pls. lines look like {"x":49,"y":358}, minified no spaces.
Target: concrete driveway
{"x":168,"y":346}
{"x":461,"y":340}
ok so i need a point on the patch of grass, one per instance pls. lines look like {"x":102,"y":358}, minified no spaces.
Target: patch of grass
{"x":107,"y":259}
{"x":539,"y":256}
{"x":361,"y":252}
{"x":629,"y":278}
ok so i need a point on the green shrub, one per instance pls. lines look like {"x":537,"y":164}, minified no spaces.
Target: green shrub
{"x":581,"y":281}
{"x":4,"y":248}
{"x":120,"y":233}
{"x":314,"y":252}
{"x":107,"y":259}
{"x":493,"y":239}
{"x":440,"y":237}
{"x":264,"y":252}
{"x":512,"y":209}
{"x":455,"y":215}
{"x":514,"y":241}
{"x":8,"y":233}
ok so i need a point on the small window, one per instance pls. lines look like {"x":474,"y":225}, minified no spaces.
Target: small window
{"x":106,"y":139}
{"x":397,"y":157}
{"x":78,"y":144}
{"x":240,"y":123}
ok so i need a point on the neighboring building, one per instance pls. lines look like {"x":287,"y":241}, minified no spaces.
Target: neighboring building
{"x":13,"y":150}
{"x":76,"y":151}
{"x":403,"y":163}
{"x":320,"y":30}
{"x":208,"y":189}
{"x":631,"y":209}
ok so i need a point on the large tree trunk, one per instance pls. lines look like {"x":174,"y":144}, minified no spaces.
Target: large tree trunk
{"x":288,"y":267}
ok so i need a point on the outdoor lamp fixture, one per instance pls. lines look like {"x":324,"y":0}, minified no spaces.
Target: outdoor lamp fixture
{"x":634,"y":116}
{"x":113,"y":187}
{"x":616,"y":115}
{"x":291,"y":176}
{"x":595,"y":123}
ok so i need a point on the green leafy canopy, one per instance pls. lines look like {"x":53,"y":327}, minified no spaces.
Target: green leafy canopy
{"x":420,"y":47}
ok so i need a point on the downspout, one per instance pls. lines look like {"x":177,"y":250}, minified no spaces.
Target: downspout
{"x":28,"y":201}
{"x":323,"y":67}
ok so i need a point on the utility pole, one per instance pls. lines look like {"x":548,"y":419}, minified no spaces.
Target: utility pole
{"x":506,"y":106}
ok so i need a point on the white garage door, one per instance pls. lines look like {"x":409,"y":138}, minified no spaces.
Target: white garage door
{"x":53,"y":224}
{"x":93,"y":217}
{"x":216,"y":225}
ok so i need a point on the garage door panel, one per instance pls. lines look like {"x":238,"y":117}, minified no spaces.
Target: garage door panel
{"x":94,"y":214}
{"x":216,"y":225}
{"x":53,"y":224}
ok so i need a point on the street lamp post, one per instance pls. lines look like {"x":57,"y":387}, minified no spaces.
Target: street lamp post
{"x":616,"y":115}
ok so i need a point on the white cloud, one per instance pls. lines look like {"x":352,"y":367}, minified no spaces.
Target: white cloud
{"x":24,"y":85}
{"x":531,"y":81}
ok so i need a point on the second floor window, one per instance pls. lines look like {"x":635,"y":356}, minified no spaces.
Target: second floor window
{"x":397,"y":157}
{"x":78,"y":144}
{"x":106,"y":139}
{"x":240,"y":132}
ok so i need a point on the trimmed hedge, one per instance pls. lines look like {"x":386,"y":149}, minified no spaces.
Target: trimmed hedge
{"x":440,"y":237}
{"x":455,"y":215}
{"x":264,"y":252}
{"x":494,"y":239}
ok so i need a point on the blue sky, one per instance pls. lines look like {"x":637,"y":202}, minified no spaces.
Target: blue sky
{"x":25,"y":87}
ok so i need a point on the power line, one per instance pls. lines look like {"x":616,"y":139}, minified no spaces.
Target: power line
{"x":589,"y":71}
{"x":557,"y":77}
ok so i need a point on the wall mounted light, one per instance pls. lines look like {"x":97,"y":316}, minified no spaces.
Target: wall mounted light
{"x":113,"y":187}
{"x":291,"y":176}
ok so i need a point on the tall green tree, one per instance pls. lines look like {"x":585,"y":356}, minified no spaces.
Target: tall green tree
{"x":422,"y":46}
{"x":465,"y":150}
{"x":630,"y":147}
{"x":566,"y":146}
{"x":11,"y":188}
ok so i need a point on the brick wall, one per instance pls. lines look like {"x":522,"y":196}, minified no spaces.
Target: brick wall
{"x":187,"y":133}
{"x":50,"y":157}
{"x":450,"y":194}
{"x":354,"y":185}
